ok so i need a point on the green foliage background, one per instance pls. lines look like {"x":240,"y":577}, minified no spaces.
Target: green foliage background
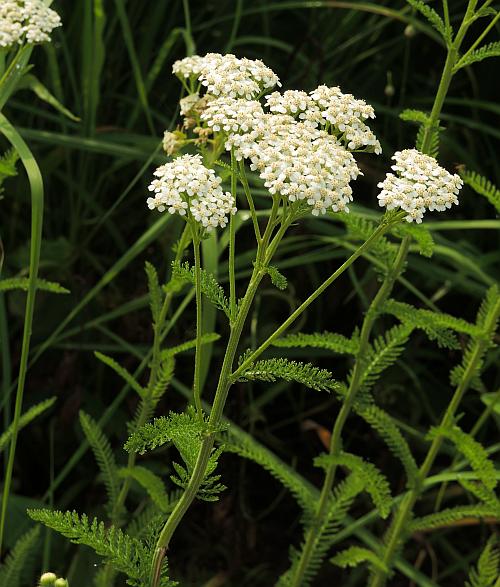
{"x":110,"y":65}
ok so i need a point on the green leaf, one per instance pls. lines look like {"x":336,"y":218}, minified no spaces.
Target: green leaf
{"x":277,"y":278}
{"x":486,"y":574}
{"x":30,"y":82}
{"x":490,"y":50}
{"x":385,"y":426}
{"x":373,"y":480}
{"x":12,"y":569}
{"x":433,"y":17}
{"x":209,"y":286}
{"x":482,"y":186}
{"x":104,"y":456}
{"x":355,"y":555}
{"x":450,"y":516}
{"x":472,"y":450}
{"x":122,"y":372}
{"x":320,"y":340}
{"x":127,"y":555}
{"x":151,"y":483}
{"x":382,"y":354}
{"x":303,"y":373}
{"x":22,"y":283}
{"x":155,"y":292}
{"x":247,"y":447}
{"x":206,"y":338}
{"x":186,"y":432}
{"x":420,"y":234}
{"x":25,"y":419}
{"x":418,"y":116}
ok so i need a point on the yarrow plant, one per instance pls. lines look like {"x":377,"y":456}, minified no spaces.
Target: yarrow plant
{"x":26,"y":21}
{"x":299,"y":149}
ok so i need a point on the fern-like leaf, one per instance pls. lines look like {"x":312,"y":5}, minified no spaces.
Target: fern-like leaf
{"x":209,"y":286}
{"x":472,"y":450}
{"x":155,"y":292}
{"x":320,"y":340}
{"x":487,"y":572}
{"x":25,"y":419}
{"x":303,"y":373}
{"x":433,"y":17}
{"x":487,"y":496}
{"x":206,"y":338}
{"x":126,"y":554}
{"x":185,"y":431}
{"x":420,"y":234}
{"x":151,"y":483}
{"x":246,"y":446}
{"x":483,"y":187}
{"x":490,"y":50}
{"x":277,"y":278}
{"x":385,"y":426}
{"x":375,"y":483}
{"x":11,"y":571}
{"x":382,"y":354}
{"x":344,"y":495}
{"x":121,"y":371}
{"x":355,"y":555}
{"x":22,"y":283}
{"x":450,"y":516}
{"x":104,"y":456}
{"x":433,"y":142}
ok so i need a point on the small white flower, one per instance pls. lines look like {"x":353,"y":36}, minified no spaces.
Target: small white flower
{"x":227,"y":75}
{"x":298,"y":161}
{"x":346,"y":114}
{"x":232,"y":115}
{"x":29,"y":21}
{"x":185,"y":186}
{"x":420,"y":184}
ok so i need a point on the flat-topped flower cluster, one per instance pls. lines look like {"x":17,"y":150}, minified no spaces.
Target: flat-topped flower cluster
{"x":420,"y":184}
{"x":29,"y":21}
{"x":188,"y":188}
{"x":300,"y":143}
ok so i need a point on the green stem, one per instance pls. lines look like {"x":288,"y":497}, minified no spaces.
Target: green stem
{"x":251,"y":205}
{"x":482,"y":35}
{"x":382,"y":229}
{"x":232,"y":279}
{"x":335,"y":448}
{"x":36,"y":186}
{"x":405,"y":509}
{"x":199,"y":326}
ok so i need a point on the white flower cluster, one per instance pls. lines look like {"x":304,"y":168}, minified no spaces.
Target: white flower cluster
{"x":347,"y":115}
{"x":296,"y":103}
{"x":232,"y":115}
{"x":324,"y":104}
{"x":227,"y":75}
{"x":299,"y":162}
{"x":420,"y":184}
{"x":185,"y":186}
{"x":29,"y":21}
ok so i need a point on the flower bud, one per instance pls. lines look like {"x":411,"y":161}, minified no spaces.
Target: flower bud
{"x":389,"y":90}
{"x":47,"y":580}
{"x":410,"y":31}
{"x":61,"y":583}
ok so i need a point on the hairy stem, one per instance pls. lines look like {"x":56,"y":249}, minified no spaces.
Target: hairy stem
{"x":199,"y":326}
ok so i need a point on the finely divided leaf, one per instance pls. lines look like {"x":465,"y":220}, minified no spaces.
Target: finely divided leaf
{"x":303,"y":373}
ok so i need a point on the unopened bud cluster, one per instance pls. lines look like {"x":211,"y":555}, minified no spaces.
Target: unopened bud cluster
{"x":51,"y":580}
{"x":188,"y":188}
{"x":29,"y":21}
{"x":419,"y":184}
